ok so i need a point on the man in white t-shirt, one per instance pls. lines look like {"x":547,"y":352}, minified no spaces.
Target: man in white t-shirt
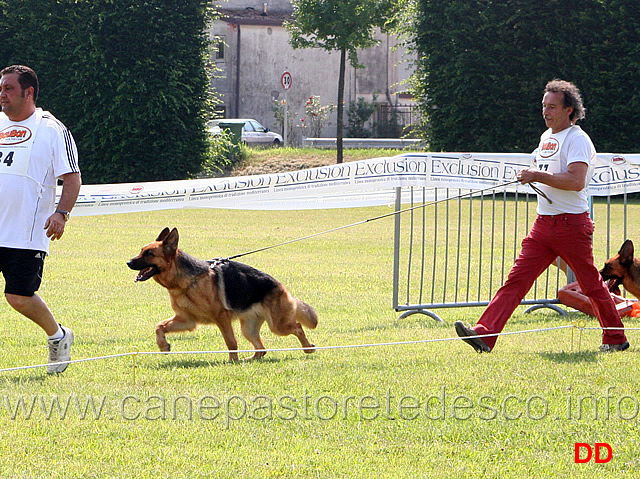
{"x":562,"y":170}
{"x":36,"y":150}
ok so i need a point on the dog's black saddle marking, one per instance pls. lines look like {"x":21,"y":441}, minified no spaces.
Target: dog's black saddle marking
{"x":243,"y":285}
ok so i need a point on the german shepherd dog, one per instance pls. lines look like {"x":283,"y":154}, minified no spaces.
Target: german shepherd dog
{"x":621,"y":269}
{"x":624,"y":269}
{"x":218,"y":291}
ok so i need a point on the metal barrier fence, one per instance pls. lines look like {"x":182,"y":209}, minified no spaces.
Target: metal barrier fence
{"x":458,"y":252}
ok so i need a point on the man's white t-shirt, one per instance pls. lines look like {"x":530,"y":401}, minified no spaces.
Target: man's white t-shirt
{"x":29,"y":171}
{"x":555,"y":153}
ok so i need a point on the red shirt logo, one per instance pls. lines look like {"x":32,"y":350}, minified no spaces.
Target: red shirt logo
{"x":549,"y":147}
{"x":12,"y":135}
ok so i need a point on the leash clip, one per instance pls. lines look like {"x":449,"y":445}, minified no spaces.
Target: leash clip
{"x":217,"y":262}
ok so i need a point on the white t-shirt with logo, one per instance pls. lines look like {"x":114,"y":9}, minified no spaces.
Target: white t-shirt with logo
{"x":555,"y":153}
{"x":34,"y":154}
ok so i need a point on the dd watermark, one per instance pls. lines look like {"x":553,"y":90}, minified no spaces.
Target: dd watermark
{"x":584,"y":452}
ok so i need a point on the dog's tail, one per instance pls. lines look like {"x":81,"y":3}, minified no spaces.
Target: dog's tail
{"x":306,"y":315}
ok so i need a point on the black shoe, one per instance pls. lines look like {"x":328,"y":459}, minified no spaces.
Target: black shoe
{"x":609,"y":348}
{"x":465,"y":331}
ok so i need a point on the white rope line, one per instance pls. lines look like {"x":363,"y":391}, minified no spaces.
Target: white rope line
{"x":72,"y":361}
{"x":317,"y":348}
{"x":611,"y":329}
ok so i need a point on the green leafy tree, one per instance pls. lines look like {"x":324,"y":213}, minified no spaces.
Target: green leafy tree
{"x":127,"y":77}
{"x":359,"y":114}
{"x":338,"y":25}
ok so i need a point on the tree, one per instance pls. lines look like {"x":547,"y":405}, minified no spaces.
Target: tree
{"x":127,"y":77}
{"x":338,"y":25}
{"x":359,"y":114}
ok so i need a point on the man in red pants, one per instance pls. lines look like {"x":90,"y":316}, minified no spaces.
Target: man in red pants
{"x":562,"y":169}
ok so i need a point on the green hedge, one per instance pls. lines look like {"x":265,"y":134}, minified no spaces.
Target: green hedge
{"x":126,"y":76}
{"x":483,"y":65}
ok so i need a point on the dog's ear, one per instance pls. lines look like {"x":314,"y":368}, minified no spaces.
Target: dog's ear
{"x":626,"y":252}
{"x":163,"y":234}
{"x":170,"y":243}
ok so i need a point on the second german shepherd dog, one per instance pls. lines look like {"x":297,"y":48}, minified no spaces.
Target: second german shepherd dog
{"x":624,"y":269}
{"x":218,"y":291}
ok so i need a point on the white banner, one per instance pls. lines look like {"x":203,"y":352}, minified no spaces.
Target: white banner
{"x":362,"y":183}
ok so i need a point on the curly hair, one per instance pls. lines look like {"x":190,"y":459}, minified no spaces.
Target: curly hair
{"x":26,"y":77}
{"x":572,"y":97}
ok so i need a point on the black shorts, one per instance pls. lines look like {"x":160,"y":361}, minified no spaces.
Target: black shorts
{"x":22,"y":270}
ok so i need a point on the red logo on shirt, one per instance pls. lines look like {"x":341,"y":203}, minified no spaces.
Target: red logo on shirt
{"x":549,"y":147}
{"x":12,"y":135}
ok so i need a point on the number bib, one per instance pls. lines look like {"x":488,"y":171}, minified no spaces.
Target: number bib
{"x":16,"y":141}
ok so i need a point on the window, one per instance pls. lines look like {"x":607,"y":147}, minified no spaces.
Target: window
{"x":218,"y":48}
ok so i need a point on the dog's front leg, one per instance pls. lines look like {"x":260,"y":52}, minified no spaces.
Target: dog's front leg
{"x":171,"y":325}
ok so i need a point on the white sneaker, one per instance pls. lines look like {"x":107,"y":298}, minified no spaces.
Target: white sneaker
{"x":60,"y":351}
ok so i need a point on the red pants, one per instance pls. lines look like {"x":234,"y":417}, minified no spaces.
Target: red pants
{"x":567,"y":236}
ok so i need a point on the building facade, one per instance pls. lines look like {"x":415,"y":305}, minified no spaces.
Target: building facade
{"x":253,"y":51}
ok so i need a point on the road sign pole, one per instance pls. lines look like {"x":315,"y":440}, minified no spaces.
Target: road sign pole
{"x":286,"y":120}
{"x":286,"y":81}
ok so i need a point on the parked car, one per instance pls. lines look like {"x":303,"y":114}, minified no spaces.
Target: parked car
{"x":253,"y":133}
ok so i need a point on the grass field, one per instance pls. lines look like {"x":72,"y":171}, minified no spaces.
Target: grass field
{"x":433,"y":409}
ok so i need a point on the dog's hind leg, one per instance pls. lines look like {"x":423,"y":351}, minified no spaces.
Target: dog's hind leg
{"x":250,"y":327}
{"x":297,"y":330}
{"x":283,"y":322}
{"x":223,"y":321}
{"x":171,"y":325}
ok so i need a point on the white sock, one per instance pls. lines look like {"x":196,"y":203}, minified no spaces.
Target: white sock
{"x":58,"y":335}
